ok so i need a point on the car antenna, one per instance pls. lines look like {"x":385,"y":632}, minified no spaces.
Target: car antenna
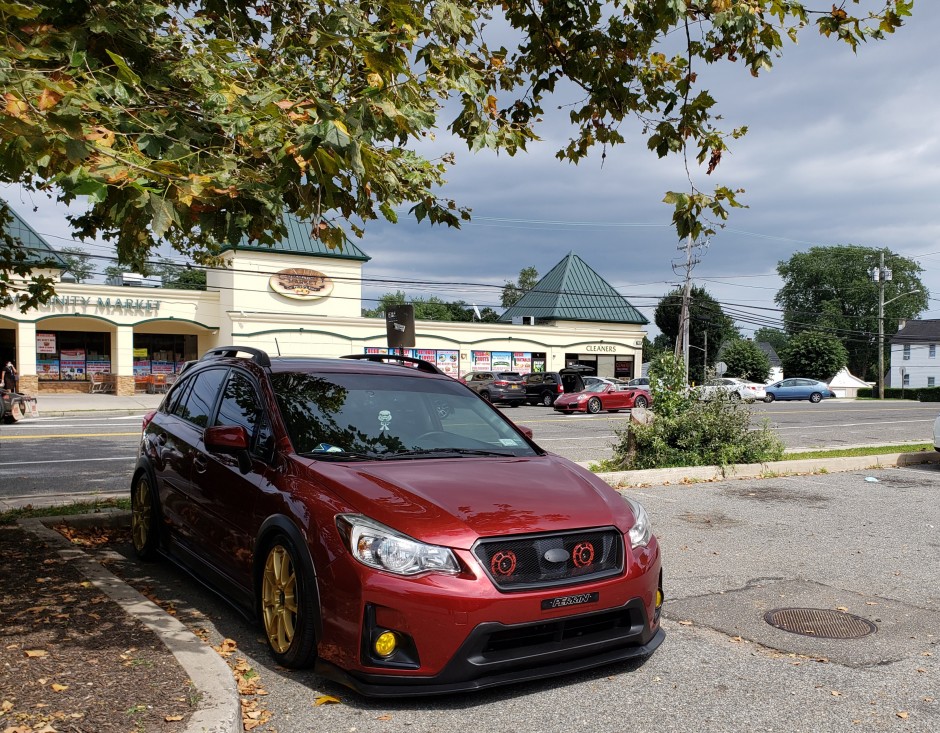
{"x":278,"y":347}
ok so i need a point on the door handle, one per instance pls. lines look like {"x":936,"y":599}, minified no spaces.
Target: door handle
{"x":200,"y":463}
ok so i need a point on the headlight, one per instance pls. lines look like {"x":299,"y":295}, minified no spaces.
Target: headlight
{"x":380,"y":547}
{"x":642,"y":531}
{"x":582,"y":398}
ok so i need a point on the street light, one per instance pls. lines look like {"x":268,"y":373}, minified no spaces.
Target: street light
{"x":881,"y":276}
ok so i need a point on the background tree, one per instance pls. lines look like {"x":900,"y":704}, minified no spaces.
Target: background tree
{"x":78,"y":261}
{"x":181,"y":277}
{"x":430,"y":309}
{"x":114,"y":272}
{"x":655,"y":348}
{"x":528,"y":277}
{"x":197,"y":122}
{"x":830,"y":289}
{"x":745,"y":360}
{"x":705,"y":317}
{"x":773,"y":336}
{"x":813,"y":355}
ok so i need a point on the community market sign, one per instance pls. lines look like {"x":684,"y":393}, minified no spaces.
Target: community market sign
{"x":78,"y":302}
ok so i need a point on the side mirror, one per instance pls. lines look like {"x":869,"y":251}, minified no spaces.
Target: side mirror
{"x":526,"y":431}
{"x":226,"y":438}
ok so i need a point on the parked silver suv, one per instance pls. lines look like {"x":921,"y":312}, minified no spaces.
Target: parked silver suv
{"x":505,"y":387}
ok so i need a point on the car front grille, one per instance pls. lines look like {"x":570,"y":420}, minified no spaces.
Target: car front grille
{"x":524,"y":562}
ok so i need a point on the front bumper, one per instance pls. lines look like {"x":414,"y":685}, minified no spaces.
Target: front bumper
{"x":571,"y":407}
{"x":460,"y":633}
{"x":495,"y":654}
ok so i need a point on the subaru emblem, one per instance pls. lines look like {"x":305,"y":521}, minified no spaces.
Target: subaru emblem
{"x":556,"y":554}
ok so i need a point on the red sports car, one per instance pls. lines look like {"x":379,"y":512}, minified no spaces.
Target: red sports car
{"x":389,"y":528}
{"x":603,"y":396}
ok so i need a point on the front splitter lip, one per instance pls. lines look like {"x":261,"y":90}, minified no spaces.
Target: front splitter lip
{"x":387,"y":686}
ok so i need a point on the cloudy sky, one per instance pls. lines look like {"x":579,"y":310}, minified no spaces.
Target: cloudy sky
{"x":841,"y":149}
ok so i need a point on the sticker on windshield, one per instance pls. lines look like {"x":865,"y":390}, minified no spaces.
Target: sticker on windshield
{"x":385,"y":417}
{"x":508,"y":441}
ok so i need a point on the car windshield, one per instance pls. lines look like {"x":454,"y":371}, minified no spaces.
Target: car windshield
{"x":382,"y":417}
{"x":596,"y":387}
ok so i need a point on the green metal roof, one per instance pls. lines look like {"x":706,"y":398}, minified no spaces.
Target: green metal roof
{"x":299,"y":242}
{"x":572,"y":291}
{"x":38,"y":250}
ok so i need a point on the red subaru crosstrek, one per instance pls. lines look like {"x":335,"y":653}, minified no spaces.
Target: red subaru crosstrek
{"x":390,"y":527}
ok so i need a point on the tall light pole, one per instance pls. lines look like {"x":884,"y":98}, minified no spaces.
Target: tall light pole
{"x":881,"y":276}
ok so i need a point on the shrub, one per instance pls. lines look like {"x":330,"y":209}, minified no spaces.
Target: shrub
{"x":688,"y":432}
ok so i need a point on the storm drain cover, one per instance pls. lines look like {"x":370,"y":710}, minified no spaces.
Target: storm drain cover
{"x":821,"y":622}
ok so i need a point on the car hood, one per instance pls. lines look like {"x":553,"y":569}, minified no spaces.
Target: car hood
{"x":455,"y":501}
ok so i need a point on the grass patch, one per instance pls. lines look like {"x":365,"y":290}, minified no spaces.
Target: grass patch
{"x":874,"y":450}
{"x":606,"y":466}
{"x":80,"y":507}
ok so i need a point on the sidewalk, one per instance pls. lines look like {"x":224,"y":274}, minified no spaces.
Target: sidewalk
{"x":57,"y":405}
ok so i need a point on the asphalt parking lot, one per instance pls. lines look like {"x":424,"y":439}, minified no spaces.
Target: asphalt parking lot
{"x":863,"y":543}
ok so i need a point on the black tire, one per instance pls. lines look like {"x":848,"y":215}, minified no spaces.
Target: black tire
{"x":734,"y":397}
{"x":815,"y":397}
{"x":641,"y":401}
{"x":594,"y":406}
{"x":486,"y":396}
{"x":547,"y":399}
{"x":287,"y":605}
{"x":145,"y":517}
{"x":769,"y":398}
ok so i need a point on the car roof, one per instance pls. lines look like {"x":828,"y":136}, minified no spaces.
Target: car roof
{"x":356,"y":364}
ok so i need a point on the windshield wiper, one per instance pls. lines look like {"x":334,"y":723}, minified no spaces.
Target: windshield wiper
{"x":444,"y":451}
{"x":340,"y":455}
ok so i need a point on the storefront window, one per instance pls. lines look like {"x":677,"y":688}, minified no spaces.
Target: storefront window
{"x":71,"y":356}
{"x":162,"y":353}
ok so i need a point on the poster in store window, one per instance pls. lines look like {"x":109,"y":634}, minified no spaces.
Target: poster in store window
{"x":502,"y":361}
{"x":72,"y":365}
{"x":521,"y":363}
{"x":45,"y":343}
{"x":47,"y":368}
{"x":447,"y":362}
{"x":480,"y":360}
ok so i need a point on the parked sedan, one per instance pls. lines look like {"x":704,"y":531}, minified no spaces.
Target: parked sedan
{"x":798,"y":388}
{"x":602,"y":396}
{"x":734,"y":389}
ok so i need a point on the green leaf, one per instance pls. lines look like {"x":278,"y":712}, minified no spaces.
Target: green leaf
{"x":18,"y":10}
{"x":125,"y":73}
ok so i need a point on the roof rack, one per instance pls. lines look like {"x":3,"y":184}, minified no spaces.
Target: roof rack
{"x":258,"y":356}
{"x":419,"y":364}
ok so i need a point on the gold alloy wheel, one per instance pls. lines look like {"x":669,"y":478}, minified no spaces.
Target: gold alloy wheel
{"x":279,"y":599}
{"x":142,"y":516}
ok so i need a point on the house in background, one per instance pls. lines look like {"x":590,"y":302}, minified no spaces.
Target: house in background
{"x":915,"y":355}
{"x":846,"y":384}
{"x":776,"y":368}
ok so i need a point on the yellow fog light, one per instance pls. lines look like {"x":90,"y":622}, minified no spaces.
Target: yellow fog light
{"x":659,"y":597}
{"x":385,"y":644}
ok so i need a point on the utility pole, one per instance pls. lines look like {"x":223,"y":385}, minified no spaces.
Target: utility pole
{"x":682,"y":341}
{"x":881,"y":276}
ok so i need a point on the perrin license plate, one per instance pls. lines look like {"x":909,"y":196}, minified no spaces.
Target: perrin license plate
{"x":563,"y":601}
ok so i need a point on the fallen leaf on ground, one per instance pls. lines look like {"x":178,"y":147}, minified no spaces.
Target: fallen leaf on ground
{"x":902,"y":715}
{"x":36,"y":652}
{"x":172,"y":718}
{"x":326,"y":700}
{"x":56,"y":687}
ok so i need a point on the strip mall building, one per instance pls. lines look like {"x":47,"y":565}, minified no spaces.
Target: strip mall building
{"x":299,"y":298}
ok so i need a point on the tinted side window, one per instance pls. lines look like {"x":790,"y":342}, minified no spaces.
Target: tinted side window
{"x":533,"y":378}
{"x":198,"y":405}
{"x":240,"y":404}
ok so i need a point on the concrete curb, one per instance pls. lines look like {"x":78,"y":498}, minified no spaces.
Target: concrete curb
{"x":661,"y":476}
{"x":219,"y":708}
